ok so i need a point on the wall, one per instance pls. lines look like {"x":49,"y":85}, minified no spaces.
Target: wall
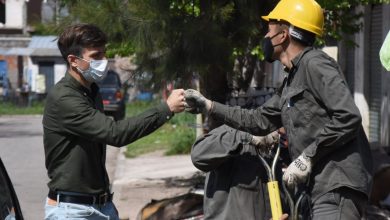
{"x":371,"y":83}
{"x":15,"y":15}
{"x":33,"y":66}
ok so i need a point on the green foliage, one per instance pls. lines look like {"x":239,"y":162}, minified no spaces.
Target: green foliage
{"x":158,"y":140}
{"x":137,"y":107}
{"x":181,"y":144}
{"x":341,"y":21}
{"x":174,"y":137}
{"x":109,"y":15}
{"x":46,"y":29}
{"x":175,"y":39}
{"x":119,"y":48}
{"x":183,"y":119}
{"x":7,"y":108}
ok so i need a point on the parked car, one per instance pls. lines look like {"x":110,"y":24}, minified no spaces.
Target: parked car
{"x":9,"y":203}
{"x":113,"y":95}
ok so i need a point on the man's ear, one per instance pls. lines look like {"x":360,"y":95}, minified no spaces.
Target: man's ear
{"x":72,"y":60}
{"x":285,"y":36}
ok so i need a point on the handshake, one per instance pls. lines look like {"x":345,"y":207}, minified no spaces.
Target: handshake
{"x":188,"y":100}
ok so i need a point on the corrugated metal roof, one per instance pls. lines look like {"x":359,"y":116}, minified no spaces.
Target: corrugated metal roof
{"x":19,"y":51}
{"x":41,"y":46}
{"x":3,"y":50}
{"x":44,"y":46}
{"x":43,"y":42}
{"x":46,"y":52}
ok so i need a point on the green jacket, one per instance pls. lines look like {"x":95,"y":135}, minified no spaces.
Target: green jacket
{"x":319,"y":114}
{"x":76,"y":132}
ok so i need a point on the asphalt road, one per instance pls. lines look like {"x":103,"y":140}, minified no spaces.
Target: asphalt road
{"x":21,"y":150}
{"x":135,"y":181}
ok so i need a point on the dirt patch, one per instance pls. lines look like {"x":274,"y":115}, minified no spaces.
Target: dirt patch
{"x":136,"y":181}
{"x":134,"y":196}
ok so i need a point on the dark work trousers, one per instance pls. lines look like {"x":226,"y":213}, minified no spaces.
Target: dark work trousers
{"x":340,"y":204}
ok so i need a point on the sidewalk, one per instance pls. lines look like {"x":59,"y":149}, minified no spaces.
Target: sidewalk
{"x":137,"y":181}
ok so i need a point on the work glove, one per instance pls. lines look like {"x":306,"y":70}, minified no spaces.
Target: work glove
{"x":298,"y":171}
{"x":195,"y":102}
{"x":265,"y":143}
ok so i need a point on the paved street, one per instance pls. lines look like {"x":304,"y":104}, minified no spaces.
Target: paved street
{"x":21,"y":150}
{"x":135,"y":181}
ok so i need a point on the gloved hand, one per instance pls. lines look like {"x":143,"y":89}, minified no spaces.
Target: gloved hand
{"x":265,"y":143}
{"x":298,"y":171}
{"x":195,"y":102}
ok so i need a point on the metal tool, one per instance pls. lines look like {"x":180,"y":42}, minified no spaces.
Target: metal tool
{"x":274,"y":193}
{"x":272,"y":185}
{"x":294,"y":212}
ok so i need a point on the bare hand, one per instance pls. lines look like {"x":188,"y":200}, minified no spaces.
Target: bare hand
{"x":283,"y":217}
{"x":176,"y":100}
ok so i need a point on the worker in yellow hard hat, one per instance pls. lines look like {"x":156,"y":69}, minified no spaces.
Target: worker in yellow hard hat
{"x":329,"y":149}
{"x":301,"y":20}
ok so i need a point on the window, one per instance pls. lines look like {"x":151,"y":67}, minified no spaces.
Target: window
{"x":2,"y":11}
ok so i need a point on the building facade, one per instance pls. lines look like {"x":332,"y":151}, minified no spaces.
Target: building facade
{"x":368,"y":80}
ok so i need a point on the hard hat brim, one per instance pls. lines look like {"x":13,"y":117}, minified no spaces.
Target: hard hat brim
{"x":265,"y":17}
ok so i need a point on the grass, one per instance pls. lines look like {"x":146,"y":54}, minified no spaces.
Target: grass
{"x":174,"y":137}
{"x":8,"y":108}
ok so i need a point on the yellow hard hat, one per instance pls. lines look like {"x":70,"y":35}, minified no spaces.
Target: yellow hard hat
{"x":304,"y":14}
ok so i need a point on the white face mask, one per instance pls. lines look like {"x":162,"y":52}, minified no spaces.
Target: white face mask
{"x":96,"y":72}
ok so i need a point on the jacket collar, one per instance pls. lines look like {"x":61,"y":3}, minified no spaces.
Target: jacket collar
{"x":295,"y":64}
{"x":296,"y":61}
{"x":78,"y":86}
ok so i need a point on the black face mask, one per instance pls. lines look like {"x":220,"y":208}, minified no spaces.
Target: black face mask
{"x":268,"y":48}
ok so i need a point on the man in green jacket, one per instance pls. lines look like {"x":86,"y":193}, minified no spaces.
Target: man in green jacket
{"x":328,"y":146}
{"x":76,"y":130}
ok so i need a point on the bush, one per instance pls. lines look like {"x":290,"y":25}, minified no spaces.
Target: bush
{"x":9,"y":108}
{"x":182,"y":141}
{"x":174,"y":137}
{"x":184,"y":134}
{"x":184,"y":118}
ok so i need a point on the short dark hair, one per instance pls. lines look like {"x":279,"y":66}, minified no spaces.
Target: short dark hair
{"x":76,"y":37}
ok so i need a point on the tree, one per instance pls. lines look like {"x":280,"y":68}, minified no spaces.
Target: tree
{"x":175,"y":39}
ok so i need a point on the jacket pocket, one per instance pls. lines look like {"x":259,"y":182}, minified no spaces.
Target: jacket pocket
{"x":299,"y":108}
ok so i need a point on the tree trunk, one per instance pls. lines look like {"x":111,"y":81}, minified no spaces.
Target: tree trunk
{"x":214,"y":86}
